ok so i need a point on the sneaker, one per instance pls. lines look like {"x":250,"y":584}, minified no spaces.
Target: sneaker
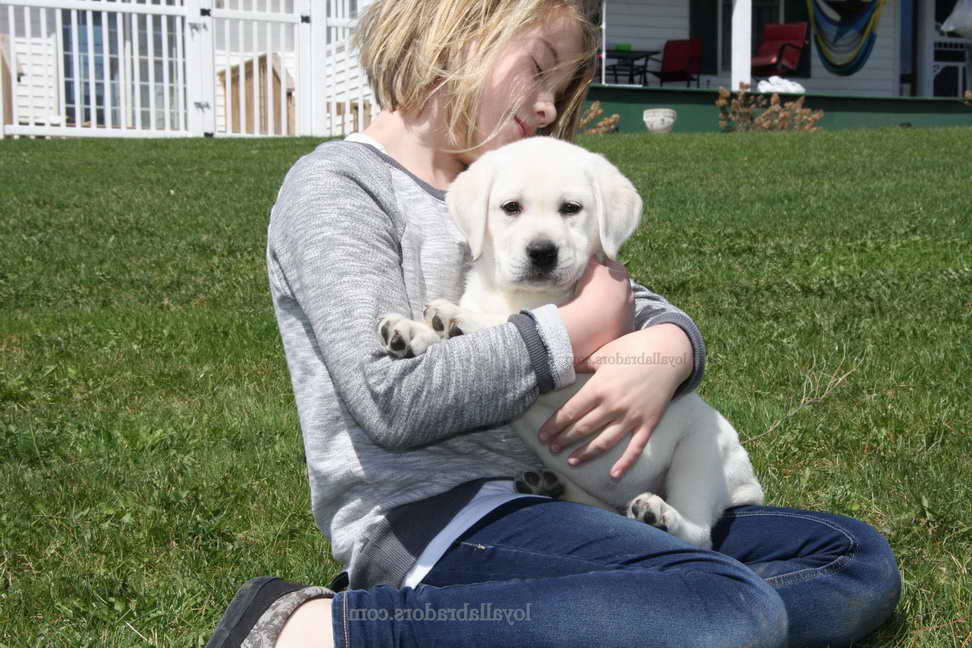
{"x":259,"y":611}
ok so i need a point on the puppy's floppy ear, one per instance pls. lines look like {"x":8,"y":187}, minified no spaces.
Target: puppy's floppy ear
{"x":468,"y":201}
{"x":618,"y":205}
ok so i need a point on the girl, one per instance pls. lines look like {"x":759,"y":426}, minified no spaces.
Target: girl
{"x":410,"y":464}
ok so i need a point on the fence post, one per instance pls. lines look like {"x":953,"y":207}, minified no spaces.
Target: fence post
{"x":4,"y":79}
{"x":305,"y":79}
{"x":318,"y":44}
{"x":200,"y":68}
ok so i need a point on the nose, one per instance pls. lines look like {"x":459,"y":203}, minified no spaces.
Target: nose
{"x":546,"y":109}
{"x":542,"y":254}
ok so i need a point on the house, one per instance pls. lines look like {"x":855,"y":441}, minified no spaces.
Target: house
{"x":906,"y":54}
{"x":255,"y":68}
{"x":867,"y":62}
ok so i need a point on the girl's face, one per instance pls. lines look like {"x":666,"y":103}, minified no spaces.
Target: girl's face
{"x":531,"y":74}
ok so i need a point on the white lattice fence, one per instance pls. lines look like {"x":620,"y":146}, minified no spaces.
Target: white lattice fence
{"x":177,"y":68}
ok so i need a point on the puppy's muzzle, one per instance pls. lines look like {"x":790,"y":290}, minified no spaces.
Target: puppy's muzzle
{"x":543,"y":257}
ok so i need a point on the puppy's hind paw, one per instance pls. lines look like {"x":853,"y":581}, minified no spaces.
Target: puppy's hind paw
{"x":544,"y":483}
{"x":405,"y":338}
{"x":650,"y":509}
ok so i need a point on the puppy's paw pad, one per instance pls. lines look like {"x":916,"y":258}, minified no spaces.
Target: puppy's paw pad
{"x":386,"y":327}
{"x":544,"y":482}
{"x":650,"y":509}
{"x":404,"y":338}
{"x":443,"y":316}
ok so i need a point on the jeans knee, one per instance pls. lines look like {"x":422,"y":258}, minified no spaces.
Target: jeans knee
{"x":855,"y":598}
{"x":764,"y":622}
{"x":737,"y":609}
{"x":877,"y":578}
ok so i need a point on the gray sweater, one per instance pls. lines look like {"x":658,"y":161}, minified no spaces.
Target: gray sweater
{"x":395,"y":447}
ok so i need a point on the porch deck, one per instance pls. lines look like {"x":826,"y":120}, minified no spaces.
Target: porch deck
{"x":697,"y":111}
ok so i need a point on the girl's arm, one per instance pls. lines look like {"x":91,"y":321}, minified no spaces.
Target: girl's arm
{"x":652,"y":309}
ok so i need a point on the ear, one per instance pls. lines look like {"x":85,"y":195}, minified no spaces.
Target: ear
{"x":468,"y":201}
{"x":618,"y":205}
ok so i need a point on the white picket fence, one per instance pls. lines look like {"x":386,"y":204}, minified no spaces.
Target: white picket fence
{"x":180,"y":68}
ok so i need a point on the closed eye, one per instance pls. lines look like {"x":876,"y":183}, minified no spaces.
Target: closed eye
{"x":570,"y":208}
{"x":539,"y":70}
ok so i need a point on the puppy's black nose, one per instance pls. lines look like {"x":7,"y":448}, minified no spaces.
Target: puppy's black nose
{"x":543,"y":254}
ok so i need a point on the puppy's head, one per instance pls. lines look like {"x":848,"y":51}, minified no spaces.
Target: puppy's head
{"x":533,"y":212}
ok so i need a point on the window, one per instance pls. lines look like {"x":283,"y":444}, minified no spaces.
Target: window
{"x":120,"y":60}
{"x":79,"y":83}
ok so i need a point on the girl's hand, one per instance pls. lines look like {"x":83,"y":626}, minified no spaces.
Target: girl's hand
{"x":634,"y":379}
{"x":602,"y":309}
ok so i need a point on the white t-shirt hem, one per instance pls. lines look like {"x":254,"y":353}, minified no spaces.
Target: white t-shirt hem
{"x":490,"y":495}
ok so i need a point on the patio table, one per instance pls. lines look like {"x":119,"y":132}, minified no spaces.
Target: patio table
{"x":630,"y":60}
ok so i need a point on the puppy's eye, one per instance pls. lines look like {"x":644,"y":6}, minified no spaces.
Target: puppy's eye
{"x":570,"y":208}
{"x":512,"y":208}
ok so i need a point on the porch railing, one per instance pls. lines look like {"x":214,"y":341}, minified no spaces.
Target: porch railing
{"x":180,"y":68}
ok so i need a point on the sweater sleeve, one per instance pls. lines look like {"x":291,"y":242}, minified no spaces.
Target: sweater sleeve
{"x":652,"y":309}
{"x":335,"y":267}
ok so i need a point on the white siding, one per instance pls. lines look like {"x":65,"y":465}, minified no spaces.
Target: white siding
{"x":879,"y":76}
{"x":349,"y":104}
{"x":646,"y":24}
{"x":345,"y":79}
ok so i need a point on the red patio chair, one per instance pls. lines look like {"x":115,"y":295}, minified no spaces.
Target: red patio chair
{"x":681,"y":61}
{"x":779,"y":49}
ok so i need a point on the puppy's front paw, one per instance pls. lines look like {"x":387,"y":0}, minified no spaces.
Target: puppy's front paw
{"x":545,"y":483}
{"x":650,"y":509}
{"x":405,"y":338}
{"x":443,"y":317}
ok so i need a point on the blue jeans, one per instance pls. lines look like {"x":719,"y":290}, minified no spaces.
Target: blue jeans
{"x":541,"y":572}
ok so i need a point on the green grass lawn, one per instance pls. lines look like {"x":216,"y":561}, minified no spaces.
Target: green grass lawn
{"x":150,"y":457}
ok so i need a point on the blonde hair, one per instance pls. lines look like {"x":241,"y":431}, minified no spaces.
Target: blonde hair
{"x":412,"y":48}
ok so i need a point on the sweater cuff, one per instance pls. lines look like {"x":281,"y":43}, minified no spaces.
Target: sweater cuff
{"x":548,"y":344}
{"x":550,"y":327}
{"x":558,"y":358}
{"x":685,"y":323}
{"x":527,"y":327}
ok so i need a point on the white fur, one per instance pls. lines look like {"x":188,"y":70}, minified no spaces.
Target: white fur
{"x":693,"y":467}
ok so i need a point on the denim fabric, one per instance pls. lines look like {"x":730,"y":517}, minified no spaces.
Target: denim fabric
{"x":541,"y":572}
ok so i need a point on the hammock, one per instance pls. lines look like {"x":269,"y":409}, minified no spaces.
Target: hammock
{"x":844,"y":32}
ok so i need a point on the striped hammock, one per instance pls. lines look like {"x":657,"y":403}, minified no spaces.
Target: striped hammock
{"x":844,"y":32}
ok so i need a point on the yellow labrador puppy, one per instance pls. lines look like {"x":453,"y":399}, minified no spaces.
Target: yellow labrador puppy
{"x":533,"y":213}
